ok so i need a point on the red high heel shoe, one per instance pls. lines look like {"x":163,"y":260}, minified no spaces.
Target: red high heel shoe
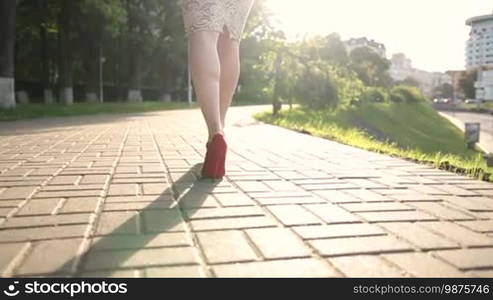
{"x":215,"y":158}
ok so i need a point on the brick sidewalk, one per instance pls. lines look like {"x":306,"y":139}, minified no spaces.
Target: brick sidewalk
{"x":118,"y":195}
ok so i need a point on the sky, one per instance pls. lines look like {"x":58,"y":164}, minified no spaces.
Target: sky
{"x":432,"y":33}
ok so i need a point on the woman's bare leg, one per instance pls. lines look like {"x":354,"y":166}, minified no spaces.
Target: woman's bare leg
{"x":206,"y":74}
{"x":229,"y":57}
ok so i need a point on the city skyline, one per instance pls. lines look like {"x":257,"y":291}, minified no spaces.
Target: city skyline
{"x":436,"y":43}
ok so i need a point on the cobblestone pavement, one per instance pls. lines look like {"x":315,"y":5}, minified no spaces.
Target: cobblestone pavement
{"x":118,"y":195}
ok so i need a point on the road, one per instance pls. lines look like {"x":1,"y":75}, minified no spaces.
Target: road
{"x":486,"y":121}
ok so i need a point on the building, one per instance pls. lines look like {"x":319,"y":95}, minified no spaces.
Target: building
{"x":479,"y":46}
{"x":401,"y":68}
{"x":354,"y":43}
{"x":479,"y":54}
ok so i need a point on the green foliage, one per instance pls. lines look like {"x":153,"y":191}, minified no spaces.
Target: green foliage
{"x":30,"y":111}
{"x":403,"y":93}
{"x":370,"y":67}
{"x":410,"y":130}
{"x":411,"y":81}
{"x":466,"y":83}
{"x":445,"y":90}
{"x":374,"y":94}
{"x":316,"y":87}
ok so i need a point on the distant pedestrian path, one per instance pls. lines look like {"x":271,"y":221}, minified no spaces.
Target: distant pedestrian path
{"x":118,"y":195}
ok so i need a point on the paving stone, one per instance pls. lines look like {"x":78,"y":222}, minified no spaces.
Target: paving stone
{"x":64,"y":180}
{"x":140,"y":198}
{"x":466,"y":259}
{"x":155,"y":188}
{"x":10,"y":252}
{"x":471,"y":203}
{"x":110,"y":274}
{"x":359,"y":245}
{"x":69,"y":194}
{"x":290,"y":200}
{"x":367,"y":195}
{"x":10,"y":203}
{"x":459,"y":234}
{"x":39,"y":259}
{"x":279,"y":268}
{"x":419,"y":236}
{"x":293,"y":215}
{"x":423,"y":265}
{"x":231,"y":212}
{"x":13,"y":193}
{"x":365,"y":266}
{"x":101,"y":260}
{"x":281,"y":185}
{"x":53,"y":188}
{"x":46,"y":220}
{"x":232,"y":223}
{"x":484,"y":226}
{"x":92,"y":179}
{"x":122,"y":242}
{"x":225,"y":246}
{"x":175,"y":272}
{"x":332,"y":214}
{"x":4,"y":212}
{"x":482,"y":273}
{"x":455,"y":190}
{"x":39,"y":207}
{"x":233,"y":199}
{"x":412,"y":197}
{"x":79,"y":205}
{"x":162,"y":221}
{"x":276,"y":243}
{"x":253,"y":186}
{"x":335,"y":196}
{"x":42,"y":233}
{"x":396,"y":216}
{"x":123,"y":190}
{"x":442,"y":211}
{"x":118,"y":223}
{"x":375,"y":206}
{"x":338,"y":230}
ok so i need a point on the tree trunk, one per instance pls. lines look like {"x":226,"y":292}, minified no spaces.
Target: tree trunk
{"x":134,"y":92}
{"x":45,"y":60}
{"x":92,"y":73}
{"x":65,"y":53}
{"x":7,"y":42}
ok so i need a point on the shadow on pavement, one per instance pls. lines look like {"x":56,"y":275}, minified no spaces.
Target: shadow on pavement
{"x":189,"y":193}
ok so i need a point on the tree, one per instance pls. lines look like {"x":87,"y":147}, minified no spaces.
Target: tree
{"x":466,"y":83}
{"x":370,"y":67}
{"x":334,"y":50}
{"x":7,"y":42}
{"x":411,"y":81}
{"x":445,"y":90}
{"x":98,"y":19}
{"x":65,"y":50}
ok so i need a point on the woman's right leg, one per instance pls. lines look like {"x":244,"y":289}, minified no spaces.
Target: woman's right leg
{"x":229,"y":57}
{"x":206,"y":74}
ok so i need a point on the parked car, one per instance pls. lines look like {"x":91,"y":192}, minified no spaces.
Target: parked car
{"x":441,"y":100}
